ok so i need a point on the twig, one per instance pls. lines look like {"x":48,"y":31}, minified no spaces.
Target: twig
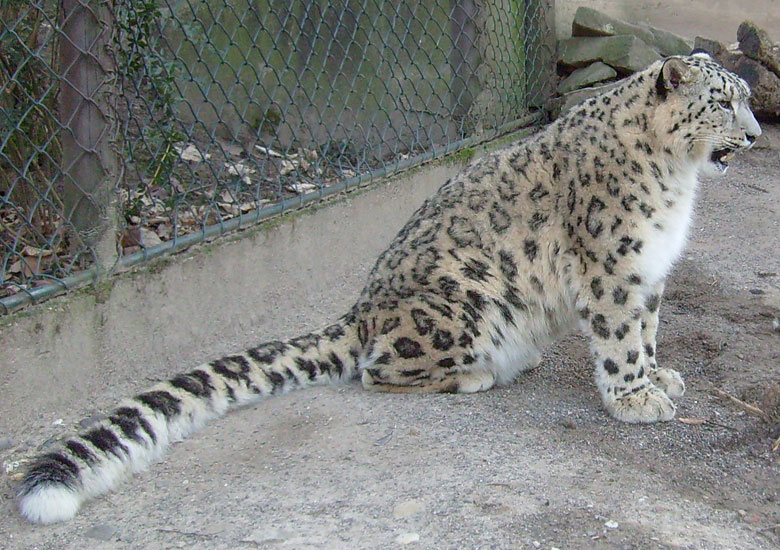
{"x":776,"y":445}
{"x":756,"y":187}
{"x":188,"y":533}
{"x":750,"y":409}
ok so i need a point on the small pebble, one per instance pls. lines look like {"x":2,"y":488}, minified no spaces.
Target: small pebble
{"x":407,"y":538}
{"x":568,"y":423}
{"x":102,"y":531}
{"x":407,"y":509}
{"x":611,"y":524}
{"x":90,"y":420}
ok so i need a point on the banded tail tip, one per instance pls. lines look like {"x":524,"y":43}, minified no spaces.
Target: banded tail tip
{"x":49,"y":503}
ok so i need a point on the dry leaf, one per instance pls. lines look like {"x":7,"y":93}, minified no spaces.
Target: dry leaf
{"x":288,"y":166}
{"x":301,"y":187}
{"x":229,"y":208}
{"x":268,"y":151}
{"x":131,"y":237}
{"x":240,"y":170}
{"x":177,"y":186}
{"x":35,"y":252}
{"x":191,"y":153}
{"x":693,"y":421}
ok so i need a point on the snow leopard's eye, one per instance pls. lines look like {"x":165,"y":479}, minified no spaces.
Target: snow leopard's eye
{"x":726,"y":105}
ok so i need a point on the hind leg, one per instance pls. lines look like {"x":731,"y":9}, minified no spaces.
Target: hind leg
{"x":462,"y":382}
{"x":422,"y":347}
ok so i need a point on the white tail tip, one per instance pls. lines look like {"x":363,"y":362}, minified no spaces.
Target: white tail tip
{"x":49,"y":504}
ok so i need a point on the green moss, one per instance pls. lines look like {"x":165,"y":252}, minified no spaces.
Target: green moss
{"x":464,"y":155}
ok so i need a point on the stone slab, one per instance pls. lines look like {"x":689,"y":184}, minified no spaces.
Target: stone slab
{"x":593,"y":73}
{"x":591,"y":22}
{"x":625,"y":53}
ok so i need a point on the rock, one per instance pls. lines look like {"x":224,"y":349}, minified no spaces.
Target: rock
{"x":755,"y":44}
{"x":407,"y":538}
{"x":668,"y":43}
{"x":101,"y":531}
{"x":625,"y":53}
{"x":6,"y":443}
{"x":149,"y":238}
{"x":764,"y":84}
{"x":595,"y":72}
{"x":569,"y":100}
{"x":90,"y":420}
{"x":590,"y":22}
{"x":712,"y":47}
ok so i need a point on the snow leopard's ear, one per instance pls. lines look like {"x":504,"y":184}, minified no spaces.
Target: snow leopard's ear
{"x":674,"y":72}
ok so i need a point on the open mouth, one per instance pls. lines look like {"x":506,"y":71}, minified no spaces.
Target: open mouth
{"x":721,"y":158}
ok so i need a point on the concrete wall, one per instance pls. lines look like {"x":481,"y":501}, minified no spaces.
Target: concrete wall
{"x":716,"y":19}
{"x":79,"y":353}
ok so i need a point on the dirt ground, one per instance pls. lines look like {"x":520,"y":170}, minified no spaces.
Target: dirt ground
{"x":537,"y":464}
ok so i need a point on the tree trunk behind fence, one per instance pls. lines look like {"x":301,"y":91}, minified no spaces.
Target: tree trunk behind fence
{"x":540,"y":45}
{"x":89,"y":163}
{"x":465,"y":57}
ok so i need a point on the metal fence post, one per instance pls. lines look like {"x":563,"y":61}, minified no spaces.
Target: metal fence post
{"x":89,"y":161}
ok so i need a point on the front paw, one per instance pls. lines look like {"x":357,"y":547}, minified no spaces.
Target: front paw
{"x":649,"y":404}
{"x":669,"y":380}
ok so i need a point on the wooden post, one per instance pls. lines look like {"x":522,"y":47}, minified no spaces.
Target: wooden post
{"x":89,"y":161}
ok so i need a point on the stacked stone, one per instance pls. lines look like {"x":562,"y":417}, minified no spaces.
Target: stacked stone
{"x":603,"y":48}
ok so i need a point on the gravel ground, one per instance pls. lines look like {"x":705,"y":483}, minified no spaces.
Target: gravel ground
{"x":537,"y":464}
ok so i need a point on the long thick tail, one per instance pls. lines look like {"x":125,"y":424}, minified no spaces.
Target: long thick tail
{"x":140,"y":429}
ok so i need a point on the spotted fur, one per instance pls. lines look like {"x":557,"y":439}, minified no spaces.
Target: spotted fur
{"x":576,"y":226}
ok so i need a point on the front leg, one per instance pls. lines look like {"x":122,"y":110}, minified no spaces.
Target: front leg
{"x":668,"y":380}
{"x":611,"y":311}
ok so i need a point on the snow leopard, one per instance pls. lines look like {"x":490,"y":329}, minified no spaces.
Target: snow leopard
{"x":573,"y":228}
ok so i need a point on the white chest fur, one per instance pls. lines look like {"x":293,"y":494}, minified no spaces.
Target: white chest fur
{"x":667,"y":231}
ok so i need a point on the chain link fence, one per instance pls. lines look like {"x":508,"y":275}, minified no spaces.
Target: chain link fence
{"x":131,"y":129}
